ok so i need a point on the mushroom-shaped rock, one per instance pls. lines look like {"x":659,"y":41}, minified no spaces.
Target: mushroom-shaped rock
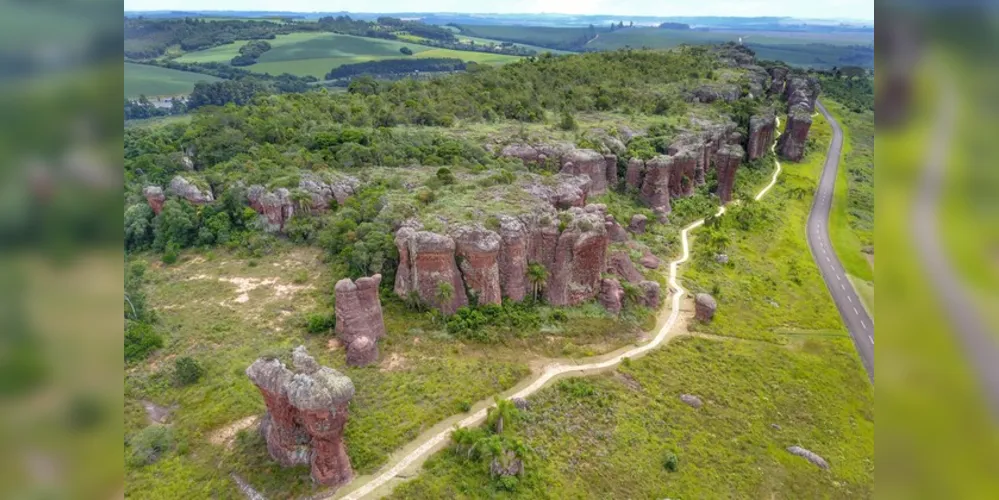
{"x":306,"y":415}
{"x":611,"y":295}
{"x":704,"y":307}
{"x":651,"y":297}
{"x":809,"y":455}
{"x":180,"y":186}
{"x":359,"y":316}
{"x":691,"y":400}
{"x":637,"y":224}
{"x":155,"y":198}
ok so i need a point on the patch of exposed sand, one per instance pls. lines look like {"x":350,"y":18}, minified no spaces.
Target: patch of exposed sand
{"x":394,"y":362}
{"x":246,"y":285}
{"x":225,"y":435}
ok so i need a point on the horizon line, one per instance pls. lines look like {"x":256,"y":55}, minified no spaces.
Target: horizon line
{"x":497,"y":14}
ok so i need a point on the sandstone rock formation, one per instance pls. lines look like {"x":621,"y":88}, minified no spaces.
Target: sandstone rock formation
{"x":801,"y":93}
{"x":651,"y":297}
{"x":778,"y":77}
{"x":513,"y":258}
{"x":727,"y":162}
{"x":809,"y":455}
{"x":704,"y":307}
{"x":637,"y":224}
{"x":590,"y":164}
{"x":478,"y":252}
{"x":713,"y":92}
{"x":655,"y":182}
{"x":275,"y":207}
{"x":538,"y":153}
{"x":610,"y":169}
{"x":359,"y":321}
{"x":791,"y":144}
{"x":323,"y":192}
{"x":183,"y":188}
{"x":619,"y":263}
{"x":561,"y":190}
{"x":611,"y":295}
{"x":155,"y":198}
{"x":649,"y":260}
{"x":579,"y":259}
{"x":426,"y":261}
{"x":615,"y":232}
{"x":306,"y":415}
{"x":761,"y":134}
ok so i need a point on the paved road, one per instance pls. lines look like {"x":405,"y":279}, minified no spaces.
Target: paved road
{"x":855,"y":317}
{"x":968,"y":326}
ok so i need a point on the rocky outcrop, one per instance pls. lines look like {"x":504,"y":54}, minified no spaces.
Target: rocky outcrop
{"x":761,"y":134}
{"x":183,"y":188}
{"x":619,"y":263}
{"x":513,"y":258}
{"x":615,"y":232}
{"x":684,"y":174}
{"x":759,"y":80}
{"x":538,"y":153}
{"x":574,"y":276}
{"x":809,"y":455}
{"x":591,"y":164}
{"x":635,"y":174}
{"x":704,"y":307}
{"x":713,"y":92}
{"x":155,"y":198}
{"x":727,"y":163}
{"x":703,"y":145}
{"x":611,"y":295}
{"x":275,"y":207}
{"x":778,"y":77}
{"x":561,"y":190}
{"x":801,"y":93}
{"x":306,"y":415}
{"x":651,"y":294}
{"x":655,"y":182}
{"x":649,"y":260}
{"x":637,"y":224}
{"x":791,"y":144}
{"x":478,"y":256}
{"x":359,"y":321}
{"x":426,"y":264}
{"x":323,"y":193}
{"x":610,"y":169}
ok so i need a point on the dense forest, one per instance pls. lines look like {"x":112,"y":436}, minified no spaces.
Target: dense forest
{"x":396,"y":66}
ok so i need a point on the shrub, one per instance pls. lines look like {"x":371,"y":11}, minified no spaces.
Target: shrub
{"x":576,"y":387}
{"x":671,"y":462}
{"x":507,"y":483}
{"x":187,"y":371}
{"x":320,"y":322}
{"x":568,"y":122}
{"x":300,"y":276}
{"x":406,"y":51}
{"x":171,"y":254}
{"x":140,"y":341}
{"x":445,"y":175}
{"x":149,"y":444}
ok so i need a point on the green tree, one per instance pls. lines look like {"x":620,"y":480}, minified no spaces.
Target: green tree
{"x":177,"y":223}
{"x":568,"y":122}
{"x":505,"y":412}
{"x":406,"y":51}
{"x":138,"y":226}
{"x":537,"y":274}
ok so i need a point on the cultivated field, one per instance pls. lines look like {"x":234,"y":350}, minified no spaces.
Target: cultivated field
{"x":316,"y":53}
{"x":152,"y":81}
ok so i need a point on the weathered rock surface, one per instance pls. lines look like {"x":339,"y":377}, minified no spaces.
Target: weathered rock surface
{"x":513,"y":258}
{"x":610,"y":168}
{"x":359,"y":316}
{"x":809,"y":455}
{"x":611,"y":295}
{"x":275,"y":207}
{"x":155,"y":198}
{"x":306,"y":415}
{"x":427,"y":260}
{"x":619,"y":263}
{"x":637,"y":223}
{"x":691,"y":400}
{"x":727,"y":162}
{"x":478,"y":252}
{"x":579,"y":259}
{"x":761,"y":135}
{"x":323,"y":192}
{"x":651,"y":294}
{"x":655,"y":184}
{"x":801,"y":93}
{"x":506,"y":464}
{"x":778,"y":77}
{"x":615,"y":232}
{"x":635,"y":175}
{"x":704,"y":307}
{"x":791,"y":144}
{"x":649,"y":260}
{"x":520,"y":403}
{"x":713,"y":92}
{"x":684,"y":175}
{"x":591,"y":164}
{"x":561,"y":190}
{"x":538,"y":153}
{"x":180,"y":186}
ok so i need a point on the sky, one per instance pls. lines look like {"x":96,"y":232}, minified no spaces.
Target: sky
{"x":837,"y":9}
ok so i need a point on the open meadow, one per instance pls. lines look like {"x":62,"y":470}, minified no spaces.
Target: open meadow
{"x":141,"y":79}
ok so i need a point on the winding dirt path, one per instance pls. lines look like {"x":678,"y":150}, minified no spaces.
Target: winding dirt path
{"x":415,"y":453}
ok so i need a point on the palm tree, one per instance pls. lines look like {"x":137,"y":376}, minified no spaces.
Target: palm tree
{"x":302,"y":201}
{"x":504,"y":411}
{"x":445,"y":292}
{"x":538,"y":276}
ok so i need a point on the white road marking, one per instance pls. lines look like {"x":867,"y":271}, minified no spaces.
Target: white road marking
{"x":863,"y":324}
{"x":871,"y":339}
{"x":849,"y":298}
{"x":843,"y":287}
{"x":827,"y":259}
{"x":855,"y":311}
{"x":838,"y":278}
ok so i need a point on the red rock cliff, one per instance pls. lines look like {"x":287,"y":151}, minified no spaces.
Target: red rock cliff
{"x":426,"y":260}
{"x":359,"y":315}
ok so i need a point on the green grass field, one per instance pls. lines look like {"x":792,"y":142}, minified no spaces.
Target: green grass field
{"x":316,"y":54}
{"x":154,"y":81}
{"x":531,"y":35}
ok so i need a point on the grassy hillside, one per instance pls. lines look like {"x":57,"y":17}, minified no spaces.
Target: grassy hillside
{"x":151,"y":81}
{"x":560,"y":38}
{"x":316,"y":53}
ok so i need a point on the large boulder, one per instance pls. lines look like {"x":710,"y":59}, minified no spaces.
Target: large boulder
{"x":562,"y":190}
{"x":761,"y":134}
{"x":727,"y":162}
{"x":426,"y":263}
{"x":183,"y":188}
{"x":359,"y":316}
{"x":615,"y":232}
{"x":791,"y":144}
{"x":478,"y":252}
{"x":651,"y":294}
{"x":589,"y":163}
{"x":778,"y":77}
{"x":619,"y":263}
{"x":306,"y":415}
{"x":704,"y":307}
{"x":809,"y":455}
{"x":610,"y":169}
{"x":637,"y":224}
{"x":155,"y":198}
{"x":714,"y":92}
{"x":801,"y":93}
{"x":324,"y":192}
{"x":611,"y":295}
